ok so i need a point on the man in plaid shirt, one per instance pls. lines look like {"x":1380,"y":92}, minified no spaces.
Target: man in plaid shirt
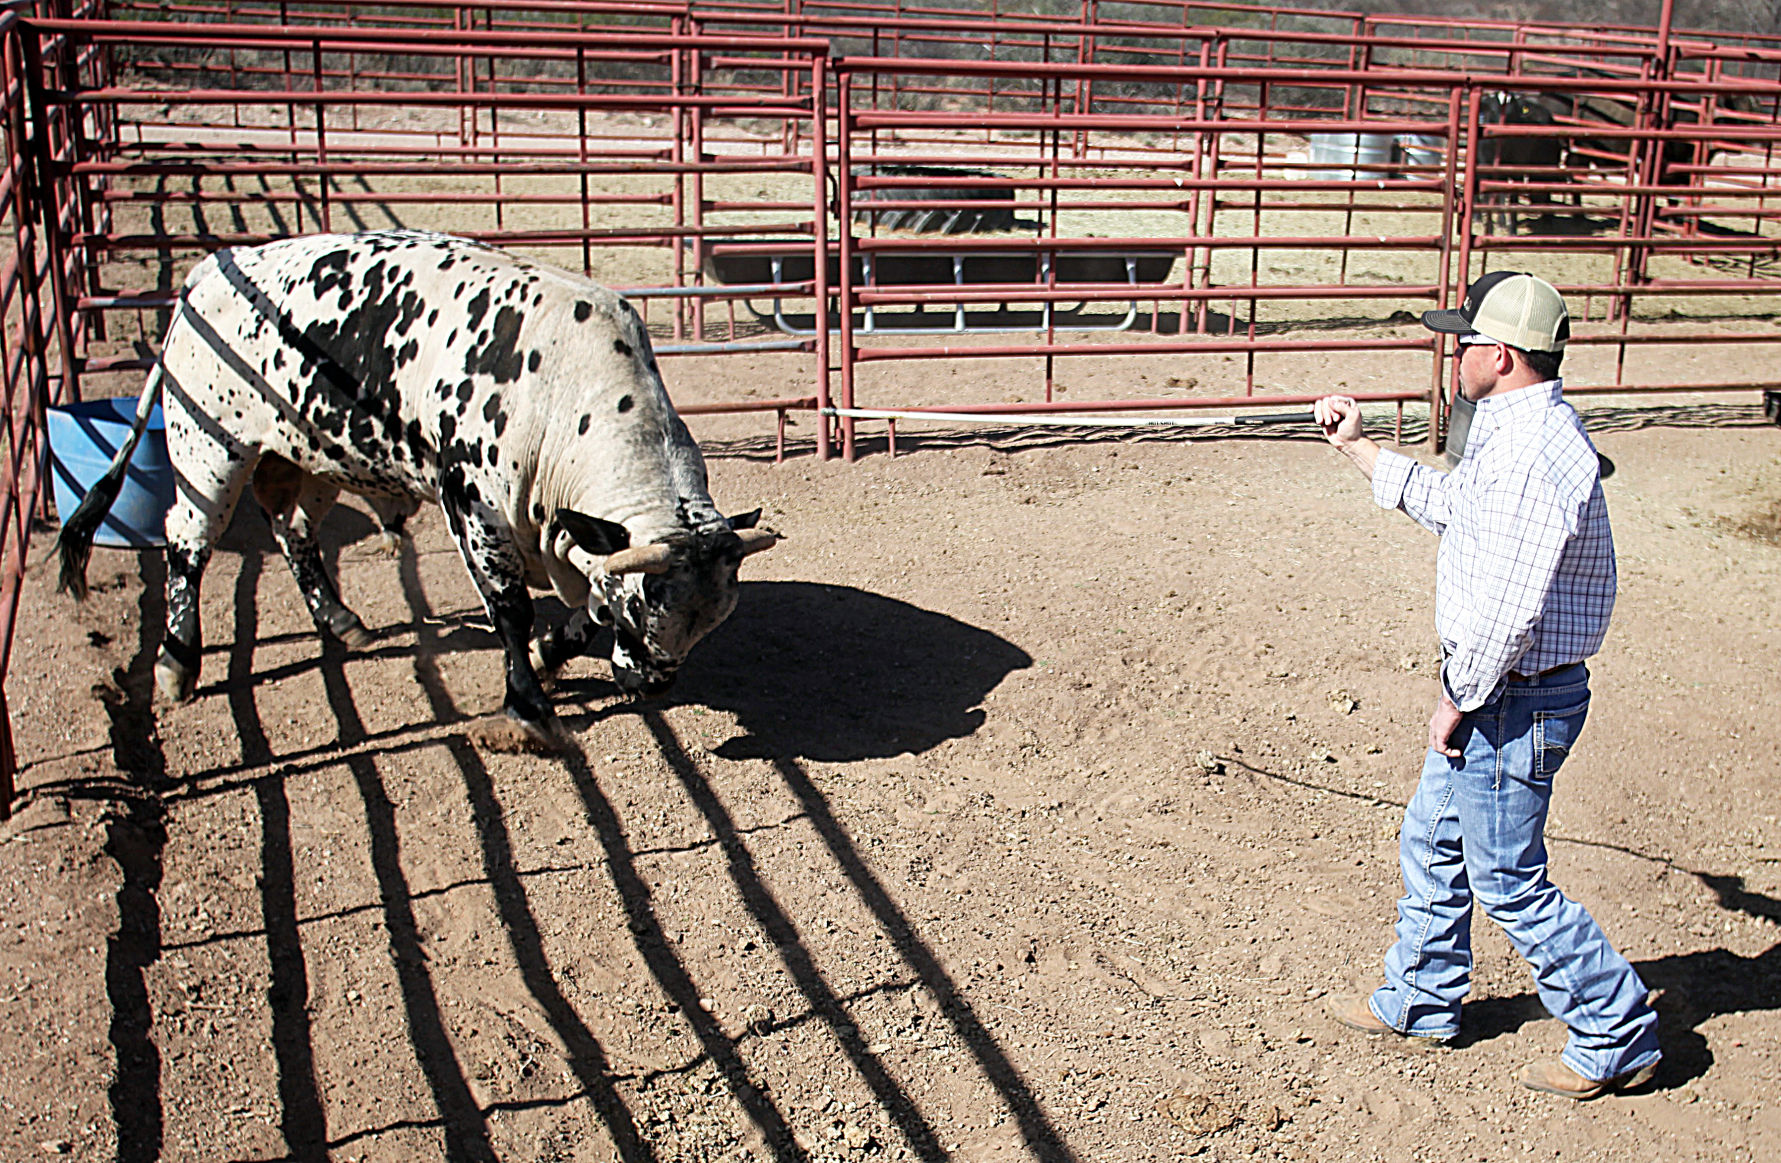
{"x":1524,"y":586}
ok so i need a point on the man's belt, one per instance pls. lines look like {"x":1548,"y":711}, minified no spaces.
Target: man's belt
{"x":1517,"y":676}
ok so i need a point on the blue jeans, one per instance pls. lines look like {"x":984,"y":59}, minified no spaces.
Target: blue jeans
{"x":1476,"y":829}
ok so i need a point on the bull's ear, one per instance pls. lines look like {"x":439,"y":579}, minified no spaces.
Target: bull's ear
{"x":745,"y":520}
{"x":594,"y":534}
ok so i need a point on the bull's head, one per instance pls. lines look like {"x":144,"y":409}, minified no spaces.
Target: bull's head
{"x":660,"y":599}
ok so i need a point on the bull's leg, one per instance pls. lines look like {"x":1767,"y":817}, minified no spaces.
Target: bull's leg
{"x":1492,"y":212}
{"x":488,"y":551}
{"x":392,"y":516}
{"x":176,"y":670}
{"x":570,"y":640}
{"x":295,"y":503}
{"x":1547,"y":202}
{"x":212,"y":468}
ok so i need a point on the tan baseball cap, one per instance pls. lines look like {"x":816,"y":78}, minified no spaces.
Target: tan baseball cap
{"x":1518,"y":309}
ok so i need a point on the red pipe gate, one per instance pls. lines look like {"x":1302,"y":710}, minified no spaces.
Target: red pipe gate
{"x":1242,"y":192}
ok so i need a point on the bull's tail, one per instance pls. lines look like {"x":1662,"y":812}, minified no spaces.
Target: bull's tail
{"x":75,"y":545}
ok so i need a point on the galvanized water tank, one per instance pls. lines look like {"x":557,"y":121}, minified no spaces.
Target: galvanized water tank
{"x":1418,"y":149}
{"x":1347,"y":150}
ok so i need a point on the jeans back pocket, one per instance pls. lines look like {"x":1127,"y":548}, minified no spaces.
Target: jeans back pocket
{"x":1554,"y":734}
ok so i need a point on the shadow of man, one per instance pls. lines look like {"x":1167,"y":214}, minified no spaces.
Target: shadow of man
{"x":1689,"y":989}
{"x":1695,"y":987}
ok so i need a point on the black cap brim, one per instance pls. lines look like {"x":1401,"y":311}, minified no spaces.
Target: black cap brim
{"x":1450,"y":322}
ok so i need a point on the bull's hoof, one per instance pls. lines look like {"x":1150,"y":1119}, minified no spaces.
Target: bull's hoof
{"x":356,"y":637}
{"x":174,"y":683}
{"x":509,"y":736}
{"x":344,"y":626}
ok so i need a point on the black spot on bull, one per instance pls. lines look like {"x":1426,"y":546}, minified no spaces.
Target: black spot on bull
{"x":497,"y":351}
{"x":329,"y":274}
{"x":368,"y":343}
{"x":495,"y":414}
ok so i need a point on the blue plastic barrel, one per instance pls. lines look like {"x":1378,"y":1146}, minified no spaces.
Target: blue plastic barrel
{"x":83,"y":438}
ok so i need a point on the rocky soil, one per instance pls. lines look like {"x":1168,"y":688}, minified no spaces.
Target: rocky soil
{"x":1038,"y":791}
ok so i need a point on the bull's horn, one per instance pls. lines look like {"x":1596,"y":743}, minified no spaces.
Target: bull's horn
{"x":756,"y":540}
{"x":640,"y":559}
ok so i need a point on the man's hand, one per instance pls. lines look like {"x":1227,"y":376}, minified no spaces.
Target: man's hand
{"x":1442,"y":724}
{"x":1339,"y":416}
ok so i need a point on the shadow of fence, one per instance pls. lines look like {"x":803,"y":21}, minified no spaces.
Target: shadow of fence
{"x":895,"y":679}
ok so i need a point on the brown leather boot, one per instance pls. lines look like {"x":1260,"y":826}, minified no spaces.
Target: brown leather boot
{"x":1554,"y":1077}
{"x":1352,"y":1010}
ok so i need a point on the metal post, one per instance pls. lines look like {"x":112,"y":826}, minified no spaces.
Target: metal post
{"x":581,"y":157}
{"x":697,"y":274}
{"x":9,"y":760}
{"x":321,"y":137}
{"x":49,"y":207}
{"x":1450,"y":202}
{"x":819,"y":169}
{"x":844,"y":224}
{"x":79,"y":188}
{"x":1468,"y":204}
{"x":677,"y":122}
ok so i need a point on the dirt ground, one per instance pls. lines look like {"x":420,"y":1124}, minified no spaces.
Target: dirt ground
{"x":1038,"y":791}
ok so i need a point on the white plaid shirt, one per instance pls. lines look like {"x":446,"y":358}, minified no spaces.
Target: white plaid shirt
{"x":1525,"y":579}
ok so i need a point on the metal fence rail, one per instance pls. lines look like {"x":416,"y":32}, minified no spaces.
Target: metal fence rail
{"x":36,"y":335}
{"x":1165,"y":178}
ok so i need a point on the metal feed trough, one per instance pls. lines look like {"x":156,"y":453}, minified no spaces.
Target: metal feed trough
{"x":754,"y":268}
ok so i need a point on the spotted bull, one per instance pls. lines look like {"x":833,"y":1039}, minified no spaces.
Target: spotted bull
{"x":407,"y":367}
